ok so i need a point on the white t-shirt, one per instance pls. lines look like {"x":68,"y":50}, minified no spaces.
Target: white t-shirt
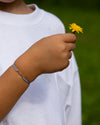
{"x":51,"y":99}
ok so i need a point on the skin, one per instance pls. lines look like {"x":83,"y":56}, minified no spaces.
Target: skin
{"x":36,"y":60}
{"x":15,"y":6}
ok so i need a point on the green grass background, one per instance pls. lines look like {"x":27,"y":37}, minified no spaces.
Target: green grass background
{"x":88,"y":57}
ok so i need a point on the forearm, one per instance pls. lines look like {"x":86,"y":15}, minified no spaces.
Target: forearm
{"x":12,"y":86}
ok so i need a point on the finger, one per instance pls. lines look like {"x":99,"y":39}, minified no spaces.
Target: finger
{"x":69,"y":37}
{"x":69,"y":55}
{"x":70,"y":46}
{"x":65,"y":64}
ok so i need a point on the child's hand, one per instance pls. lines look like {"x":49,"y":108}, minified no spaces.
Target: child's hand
{"x":48,"y":55}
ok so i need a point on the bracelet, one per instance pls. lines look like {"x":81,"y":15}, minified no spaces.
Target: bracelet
{"x":20,"y":74}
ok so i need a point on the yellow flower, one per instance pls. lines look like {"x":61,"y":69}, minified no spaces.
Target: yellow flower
{"x":75,"y":28}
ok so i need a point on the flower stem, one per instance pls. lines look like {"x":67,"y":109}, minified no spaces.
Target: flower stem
{"x":74,"y":32}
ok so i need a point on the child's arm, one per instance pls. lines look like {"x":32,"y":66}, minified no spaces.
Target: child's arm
{"x":48,"y":55}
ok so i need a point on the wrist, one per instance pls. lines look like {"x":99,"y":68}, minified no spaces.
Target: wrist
{"x":29,"y":68}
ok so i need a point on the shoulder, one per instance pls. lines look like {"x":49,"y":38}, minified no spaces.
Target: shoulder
{"x":53,"y":22}
{"x":48,"y":20}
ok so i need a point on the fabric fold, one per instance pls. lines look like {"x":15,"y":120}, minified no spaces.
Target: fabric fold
{"x":65,"y":82}
{"x":65,"y":88}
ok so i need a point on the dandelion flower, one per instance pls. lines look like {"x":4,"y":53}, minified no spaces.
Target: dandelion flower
{"x":75,"y":28}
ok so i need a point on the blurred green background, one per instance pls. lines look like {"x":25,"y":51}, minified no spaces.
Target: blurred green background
{"x":85,"y":13}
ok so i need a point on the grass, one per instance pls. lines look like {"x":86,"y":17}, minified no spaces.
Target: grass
{"x":88,"y":57}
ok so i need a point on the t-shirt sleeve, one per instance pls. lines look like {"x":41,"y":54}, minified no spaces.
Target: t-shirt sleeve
{"x":68,"y":82}
{"x":73,"y":112}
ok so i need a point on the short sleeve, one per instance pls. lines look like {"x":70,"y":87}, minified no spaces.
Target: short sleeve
{"x":65,"y":81}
